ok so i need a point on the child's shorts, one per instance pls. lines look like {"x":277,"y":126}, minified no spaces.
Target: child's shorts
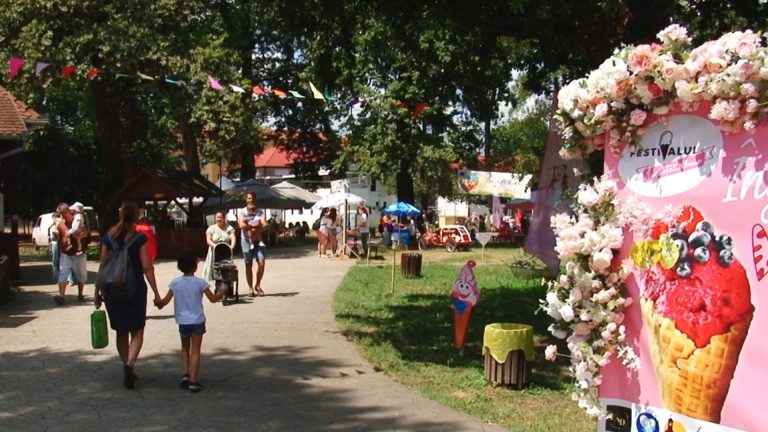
{"x":191,"y":329}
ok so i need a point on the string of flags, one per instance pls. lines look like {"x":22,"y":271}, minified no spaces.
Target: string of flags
{"x":16,"y":64}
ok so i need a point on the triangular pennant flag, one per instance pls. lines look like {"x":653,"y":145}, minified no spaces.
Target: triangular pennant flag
{"x":419,"y":109}
{"x":315,"y":92}
{"x":352,"y":102}
{"x":236,"y":89}
{"x":257,"y":90}
{"x":14,"y":66}
{"x":214,"y":84}
{"x":279,"y":93}
{"x":145,"y":77}
{"x":173,"y":81}
{"x":328,"y":94}
{"x":67,"y":71}
{"x":93,"y":73}
{"x":296,"y":94}
{"x":39,"y":67}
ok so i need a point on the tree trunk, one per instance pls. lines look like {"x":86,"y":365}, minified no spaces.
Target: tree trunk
{"x":189,"y":145}
{"x":487,"y":141}
{"x":405,"y":183}
{"x":107,"y":114}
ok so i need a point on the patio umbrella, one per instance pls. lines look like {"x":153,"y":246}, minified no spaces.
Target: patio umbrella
{"x":266,"y":198}
{"x":399,"y":209}
{"x":337,"y":199}
{"x":293,"y":191}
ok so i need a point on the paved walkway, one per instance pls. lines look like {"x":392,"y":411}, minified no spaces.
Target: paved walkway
{"x":273,"y":363}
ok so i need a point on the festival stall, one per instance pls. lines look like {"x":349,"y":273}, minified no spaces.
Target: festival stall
{"x":662,"y":296}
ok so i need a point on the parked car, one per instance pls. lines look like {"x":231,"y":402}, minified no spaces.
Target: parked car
{"x":40,"y":232}
{"x":451,"y":237}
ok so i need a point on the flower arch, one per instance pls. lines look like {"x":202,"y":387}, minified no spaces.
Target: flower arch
{"x":608,"y":110}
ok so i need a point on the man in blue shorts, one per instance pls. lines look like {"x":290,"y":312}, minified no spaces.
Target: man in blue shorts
{"x":251,"y":222}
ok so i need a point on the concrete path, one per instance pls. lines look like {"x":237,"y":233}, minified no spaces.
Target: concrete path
{"x":273,"y":363}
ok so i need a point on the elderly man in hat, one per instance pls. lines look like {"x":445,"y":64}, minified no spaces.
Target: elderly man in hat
{"x":71,"y":261}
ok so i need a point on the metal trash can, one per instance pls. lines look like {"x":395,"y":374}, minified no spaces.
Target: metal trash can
{"x":410,"y":264}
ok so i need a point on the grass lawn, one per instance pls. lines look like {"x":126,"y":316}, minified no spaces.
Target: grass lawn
{"x":409,"y":336}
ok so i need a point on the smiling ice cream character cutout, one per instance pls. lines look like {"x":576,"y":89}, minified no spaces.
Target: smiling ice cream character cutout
{"x":464,"y":296}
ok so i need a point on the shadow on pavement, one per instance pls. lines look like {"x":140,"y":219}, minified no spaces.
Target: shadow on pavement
{"x":253,"y":389}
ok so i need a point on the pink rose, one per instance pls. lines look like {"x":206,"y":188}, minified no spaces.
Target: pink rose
{"x":640,"y":59}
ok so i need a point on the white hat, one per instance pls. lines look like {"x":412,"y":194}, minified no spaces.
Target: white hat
{"x":77,"y":206}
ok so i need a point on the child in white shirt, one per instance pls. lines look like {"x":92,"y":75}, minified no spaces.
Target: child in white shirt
{"x":187,"y":294}
{"x":78,"y":231}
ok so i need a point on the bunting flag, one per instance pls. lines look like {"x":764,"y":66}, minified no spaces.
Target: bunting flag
{"x":215,"y":84}
{"x":14,"y":66}
{"x":67,"y":71}
{"x":315,"y":92}
{"x":327,"y":94}
{"x":39,"y":67}
{"x":419,"y":109}
{"x":93,"y":73}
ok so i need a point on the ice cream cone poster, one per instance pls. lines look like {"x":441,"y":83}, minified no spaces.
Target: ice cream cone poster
{"x":699,"y":320}
{"x":464,"y":297}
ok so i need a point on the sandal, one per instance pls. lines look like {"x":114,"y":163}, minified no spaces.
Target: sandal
{"x":129,"y":378}
{"x":260,"y":291}
{"x":195,"y":387}
{"x":184,"y":382}
{"x":58,"y":299}
{"x":253,"y":292}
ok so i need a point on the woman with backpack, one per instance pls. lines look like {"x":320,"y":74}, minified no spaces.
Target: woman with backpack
{"x":128,"y":310}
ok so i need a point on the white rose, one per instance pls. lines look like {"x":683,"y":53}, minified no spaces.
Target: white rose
{"x":550,"y":352}
{"x":601,"y":260}
{"x":566,"y":311}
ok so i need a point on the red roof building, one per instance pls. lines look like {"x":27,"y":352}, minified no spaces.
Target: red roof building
{"x":16,"y":121}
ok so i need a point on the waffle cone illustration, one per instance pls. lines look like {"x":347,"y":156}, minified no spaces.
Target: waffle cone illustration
{"x":697,"y":311}
{"x":460,"y":326}
{"x":693,"y":381}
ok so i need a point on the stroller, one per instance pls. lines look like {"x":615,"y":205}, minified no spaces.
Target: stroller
{"x":225,"y":272}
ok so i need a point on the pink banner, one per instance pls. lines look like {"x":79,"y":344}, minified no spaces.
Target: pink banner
{"x":557,"y":176}
{"x":700,"y":322}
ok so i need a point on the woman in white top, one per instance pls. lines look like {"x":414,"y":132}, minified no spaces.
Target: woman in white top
{"x":362,"y":226}
{"x":219,"y":232}
{"x":328,"y":230}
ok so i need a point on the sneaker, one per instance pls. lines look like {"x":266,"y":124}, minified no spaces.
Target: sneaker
{"x":195,"y":387}
{"x":262,"y":244}
{"x":184,"y":382}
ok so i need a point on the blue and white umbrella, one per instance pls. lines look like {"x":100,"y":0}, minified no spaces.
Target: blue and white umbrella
{"x":401,"y":209}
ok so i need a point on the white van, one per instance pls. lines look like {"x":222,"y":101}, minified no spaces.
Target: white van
{"x":40,"y":232}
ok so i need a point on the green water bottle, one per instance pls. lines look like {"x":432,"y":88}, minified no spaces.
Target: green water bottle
{"x":99,"y":334}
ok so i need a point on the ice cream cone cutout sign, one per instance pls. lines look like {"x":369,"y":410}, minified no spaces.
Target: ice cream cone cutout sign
{"x":464,"y":296}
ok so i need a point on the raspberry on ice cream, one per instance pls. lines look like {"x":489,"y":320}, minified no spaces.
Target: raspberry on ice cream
{"x":707,"y":303}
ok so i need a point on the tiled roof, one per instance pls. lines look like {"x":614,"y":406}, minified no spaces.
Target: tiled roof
{"x":273,"y":157}
{"x":14,"y":114}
